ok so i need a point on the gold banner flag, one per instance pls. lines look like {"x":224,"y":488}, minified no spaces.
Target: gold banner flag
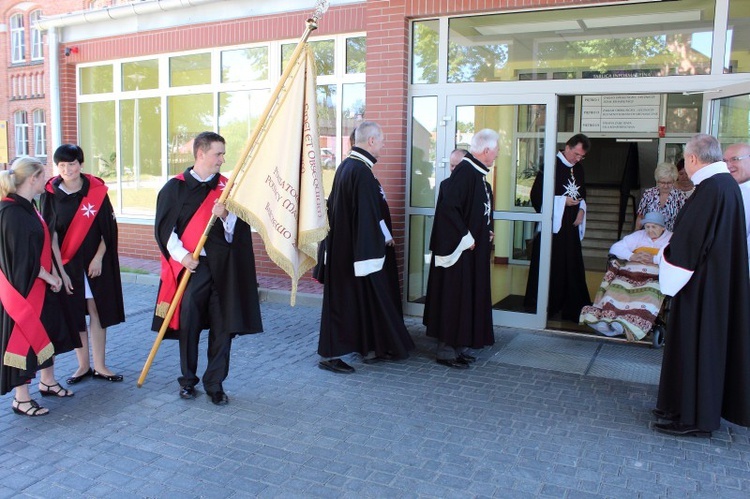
{"x":279,"y":189}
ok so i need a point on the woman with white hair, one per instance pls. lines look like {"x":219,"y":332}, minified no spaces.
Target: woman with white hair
{"x":664,"y":197}
{"x":629,"y":298}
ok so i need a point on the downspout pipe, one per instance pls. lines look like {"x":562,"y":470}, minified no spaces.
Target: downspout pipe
{"x":53,"y":47}
{"x":117,"y":12}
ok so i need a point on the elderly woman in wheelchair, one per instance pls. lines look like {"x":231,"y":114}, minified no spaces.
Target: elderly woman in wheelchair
{"x":629,"y":300}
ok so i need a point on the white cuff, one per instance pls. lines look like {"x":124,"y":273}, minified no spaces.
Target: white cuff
{"x":176,"y":250}
{"x":367,"y":267}
{"x":385,"y":231}
{"x":448,"y":260}
{"x":672,"y":278}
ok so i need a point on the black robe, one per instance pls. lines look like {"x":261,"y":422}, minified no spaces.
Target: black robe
{"x":58,"y":210}
{"x":568,"y":292}
{"x":458,"y":306}
{"x":361,"y":313}
{"x":232,"y":264}
{"x":21,"y":242}
{"x":705,"y":373}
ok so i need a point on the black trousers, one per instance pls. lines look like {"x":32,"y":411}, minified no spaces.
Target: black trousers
{"x":200,"y":309}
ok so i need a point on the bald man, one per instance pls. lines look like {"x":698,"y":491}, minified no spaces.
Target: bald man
{"x":737,"y":158}
{"x":456,"y":157}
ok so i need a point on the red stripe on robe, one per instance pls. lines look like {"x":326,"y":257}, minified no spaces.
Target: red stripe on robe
{"x":28,"y":331}
{"x":84,"y":217}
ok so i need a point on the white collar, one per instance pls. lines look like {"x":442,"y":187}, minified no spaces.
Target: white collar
{"x":709,"y":171}
{"x":564,"y":161}
{"x":198,"y":178}
{"x":356,"y":155}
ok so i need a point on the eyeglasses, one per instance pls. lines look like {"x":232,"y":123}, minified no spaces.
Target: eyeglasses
{"x":736,"y":158}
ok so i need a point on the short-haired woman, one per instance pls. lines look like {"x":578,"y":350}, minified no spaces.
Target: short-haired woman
{"x":664,"y":198}
{"x":78,"y":210}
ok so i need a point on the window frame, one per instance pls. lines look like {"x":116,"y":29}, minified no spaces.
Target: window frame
{"x":17,"y":39}
{"x":21,"y":132}
{"x":216,"y":87}
{"x":37,"y":38}
{"x":40,"y":133}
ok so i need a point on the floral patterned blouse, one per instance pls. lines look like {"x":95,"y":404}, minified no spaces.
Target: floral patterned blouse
{"x":650,"y":202}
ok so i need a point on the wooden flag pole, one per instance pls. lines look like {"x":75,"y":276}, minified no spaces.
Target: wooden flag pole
{"x":312,"y":25}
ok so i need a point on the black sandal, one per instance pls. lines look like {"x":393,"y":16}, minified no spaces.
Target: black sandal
{"x":54,"y":390}
{"x":33,"y":411}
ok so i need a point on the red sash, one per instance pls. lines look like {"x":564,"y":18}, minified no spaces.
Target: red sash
{"x":83,"y":218}
{"x":170,"y":269}
{"x":28,"y":331}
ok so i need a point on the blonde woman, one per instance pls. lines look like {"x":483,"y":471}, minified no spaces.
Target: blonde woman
{"x":27,"y":271}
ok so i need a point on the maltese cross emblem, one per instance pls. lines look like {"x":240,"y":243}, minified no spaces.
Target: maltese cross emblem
{"x":88,"y":210}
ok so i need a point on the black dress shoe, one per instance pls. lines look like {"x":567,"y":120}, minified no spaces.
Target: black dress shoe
{"x":107,"y":377}
{"x":336,"y":366}
{"x":681,"y":430}
{"x":219,"y":398}
{"x":76,"y":379}
{"x":454,"y":363}
{"x":187,"y":392}
{"x":466,"y":358}
{"x":669,"y":416}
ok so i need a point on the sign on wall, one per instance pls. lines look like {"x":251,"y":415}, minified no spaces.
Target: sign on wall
{"x":620,"y":113}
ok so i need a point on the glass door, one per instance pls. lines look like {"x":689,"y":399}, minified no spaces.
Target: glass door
{"x":727,"y":113}
{"x":526,"y":125}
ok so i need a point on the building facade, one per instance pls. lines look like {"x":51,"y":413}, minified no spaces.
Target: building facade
{"x":133,"y":82}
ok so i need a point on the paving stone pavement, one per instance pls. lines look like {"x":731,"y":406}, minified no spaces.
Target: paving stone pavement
{"x":538,"y":415}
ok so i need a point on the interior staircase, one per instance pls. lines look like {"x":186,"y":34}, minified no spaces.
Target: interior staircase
{"x":602,"y":224}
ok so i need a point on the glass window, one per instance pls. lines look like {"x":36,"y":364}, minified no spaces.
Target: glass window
{"x":193,"y":69}
{"x":96,"y":79}
{"x":423,"y":151}
{"x":238,"y":116}
{"x":96,"y":130}
{"x":140,"y":154}
{"x":140,"y":75}
{"x":327,"y":132}
{"x":424,"y":67}
{"x":352,"y":113}
{"x":732,"y":119}
{"x":40,"y":133}
{"x":323,"y":51}
{"x":17,"y":39}
{"x":356,"y":55}
{"x":420,"y":228}
{"x":37,"y":44}
{"x":737,"y":58}
{"x":683,"y":113}
{"x":21,"y":129}
{"x":646,"y":39}
{"x":188,"y":115}
{"x":509,"y":271}
{"x":250,"y":64}
{"x":566,"y":113}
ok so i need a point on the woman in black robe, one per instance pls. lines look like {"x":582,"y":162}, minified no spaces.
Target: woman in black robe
{"x":26,"y":309}
{"x":91,"y":268}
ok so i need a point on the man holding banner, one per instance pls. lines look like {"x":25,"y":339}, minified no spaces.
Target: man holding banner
{"x":361,"y":296}
{"x":222,"y":293}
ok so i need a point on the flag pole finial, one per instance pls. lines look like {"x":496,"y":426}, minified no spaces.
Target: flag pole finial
{"x":321,"y":7}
